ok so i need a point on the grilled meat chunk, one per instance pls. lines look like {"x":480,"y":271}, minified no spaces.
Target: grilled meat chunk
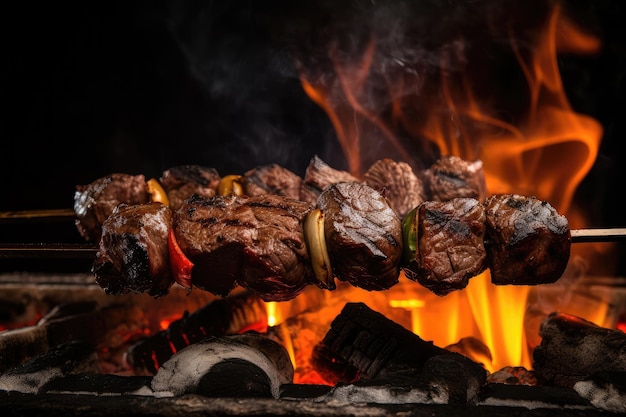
{"x":256,"y":242}
{"x":527,"y":241}
{"x":182,"y":181}
{"x":94,"y":202}
{"x":133,"y":251}
{"x":320,"y":175}
{"x":452,"y":177}
{"x":449,"y":246}
{"x":398,"y":183}
{"x":363,"y":235}
{"x":271,"y":179}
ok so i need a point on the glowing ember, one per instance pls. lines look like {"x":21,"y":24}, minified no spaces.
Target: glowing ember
{"x":271,"y":313}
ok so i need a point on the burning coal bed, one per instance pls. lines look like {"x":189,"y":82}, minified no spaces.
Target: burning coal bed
{"x":97,"y":358}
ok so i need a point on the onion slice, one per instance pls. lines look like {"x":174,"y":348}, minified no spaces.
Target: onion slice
{"x":316,"y":243}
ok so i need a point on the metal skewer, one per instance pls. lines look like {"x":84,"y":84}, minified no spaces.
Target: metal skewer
{"x":47,"y":250}
{"x":83,"y":250}
{"x":598,"y":235}
{"x":20,"y":216}
{"x":57,"y":250}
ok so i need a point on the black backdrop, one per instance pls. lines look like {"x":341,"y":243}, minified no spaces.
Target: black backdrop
{"x":90,"y":88}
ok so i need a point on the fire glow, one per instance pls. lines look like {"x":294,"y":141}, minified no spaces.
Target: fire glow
{"x":545,"y":149}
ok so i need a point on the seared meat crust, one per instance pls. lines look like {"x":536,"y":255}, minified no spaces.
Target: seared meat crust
{"x":452,"y":177}
{"x":320,"y":175}
{"x":256,"y":242}
{"x":363,"y":235}
{"x":271,"y":179}
{"x":133,"y":252}
{"x":527,"y":241}
{"x":94,"y":202}
{"x":450,"y":247}
{"x":398,"y":183}
{"x":182,"y":181}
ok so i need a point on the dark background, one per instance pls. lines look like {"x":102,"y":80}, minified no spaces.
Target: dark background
{"x":90,"y":88}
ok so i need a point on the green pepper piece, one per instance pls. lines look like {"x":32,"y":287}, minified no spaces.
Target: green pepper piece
{"x":409,"y":237}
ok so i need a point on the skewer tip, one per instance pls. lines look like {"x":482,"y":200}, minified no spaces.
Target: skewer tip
{"x":598,"y":235}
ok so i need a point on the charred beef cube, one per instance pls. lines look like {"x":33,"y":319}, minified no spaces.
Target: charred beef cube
{"x":320,"y":175}
{"x":363,"y":235}
{"x":133,"y":254}
{"x":398,"y":183}
{"x":94,"y":202}
{"x":452,"y":177}
{"x":528,"y":242}
{"x":449,"y":247}
{"x":271,"y":179}
{"x":181,"y":182}
{"x":256,"y":242}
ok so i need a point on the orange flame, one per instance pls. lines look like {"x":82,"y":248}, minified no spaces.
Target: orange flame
{"x":546,"y":150}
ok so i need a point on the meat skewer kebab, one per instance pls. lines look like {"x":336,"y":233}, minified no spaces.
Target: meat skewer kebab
{"x":444,"y":266}
{"x":263,"y":243}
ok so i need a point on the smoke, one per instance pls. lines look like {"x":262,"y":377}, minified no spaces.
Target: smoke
{"x":246,"y":58}
{"x":254,"y":111}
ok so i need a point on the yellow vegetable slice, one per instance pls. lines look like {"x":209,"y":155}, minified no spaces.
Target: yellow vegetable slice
{"x":316,"y":243}
{"x":157,"y":193}
{"x":230,"y":185}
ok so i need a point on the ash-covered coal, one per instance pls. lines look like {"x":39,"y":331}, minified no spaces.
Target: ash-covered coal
{"x":606,"y":390}
{"x":68,"y":358}
{"x":206,"y":364}
{"x":397,"y":369}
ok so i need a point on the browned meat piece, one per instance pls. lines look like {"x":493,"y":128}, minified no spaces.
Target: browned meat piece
{"x":449,"y":248}
{"x":527,"y":241}
{"x":271,"y":179}
{"x":256,"y":242}
{"x":452,"y":177}
{"x":318,"y":176}
{"x":94,"y":202}
{"x":181,"y":182}
{"x":398,"y":183}
{"x":363,"y":235}
{"x":133,"y":254}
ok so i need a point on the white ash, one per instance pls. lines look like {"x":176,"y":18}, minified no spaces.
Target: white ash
{"x":461,"y":377}
{"x":61,"y":360}
{"x":532,"y":397}
{"x":605,"y":390}
{"x":145,"y":391}
{"x":530,"y":404}
{"x":17,"y":345}
{"x":28,"y":383}
{"x":385,"y":394}
{"x":182,"y":373}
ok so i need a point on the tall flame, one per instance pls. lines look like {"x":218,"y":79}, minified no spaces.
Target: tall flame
{"x":546,"y":150}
